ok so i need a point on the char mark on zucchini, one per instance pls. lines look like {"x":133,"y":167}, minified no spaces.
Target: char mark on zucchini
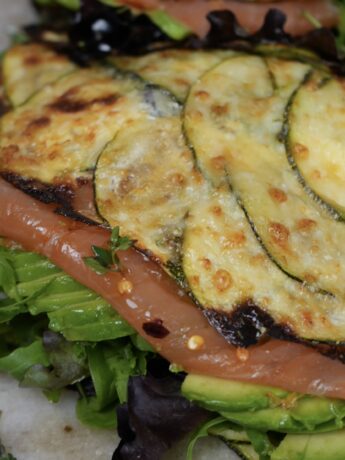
{"x":68,"y":104}
{"x":246,"y":325}
{"x":249,"y":324}
{"x":75,"y":215}
{"x":65,"y":196}
{"x":61,"y":194}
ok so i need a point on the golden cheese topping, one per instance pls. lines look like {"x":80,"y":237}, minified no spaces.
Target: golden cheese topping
{"x":59,"y":134}
{"x":316,"y":140}
{"x":27,"y":68}
{"x":246,"y":232}
{"x":234,"y":122}
{"x":226,"y":268}
{"x":175,"y":70}
{"x":146,"y":180}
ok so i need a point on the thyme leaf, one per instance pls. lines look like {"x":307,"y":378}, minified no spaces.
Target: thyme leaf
{"x":105,"y":260}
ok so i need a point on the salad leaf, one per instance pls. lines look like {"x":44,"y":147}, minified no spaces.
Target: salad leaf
{"x":155,"y":417}
{"x":67,"y":364}
{"x":88,"y":412}
{"x":141,"y":343}
{"x":91,"y":321}
{"x":111,"y":364}
{"x":8,"y":280}
{"x":73,"y":337}
{"x":73,"y":310}
{"x":9,"y":310}
{"x":261,"y":443}
{"x":110,"y":368}
{"x":202,"y":432}
{"x":22,"y":359}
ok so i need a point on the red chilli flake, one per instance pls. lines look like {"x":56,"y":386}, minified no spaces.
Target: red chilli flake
{"x":155,"y":329}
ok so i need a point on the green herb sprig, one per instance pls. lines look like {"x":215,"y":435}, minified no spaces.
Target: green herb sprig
{"x":106,"y":260}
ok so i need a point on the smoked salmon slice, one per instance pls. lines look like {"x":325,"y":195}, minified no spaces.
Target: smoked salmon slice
{"x":151,"y":302}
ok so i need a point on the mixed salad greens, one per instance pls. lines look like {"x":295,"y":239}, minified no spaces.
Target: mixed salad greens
{"x":57,"y":334}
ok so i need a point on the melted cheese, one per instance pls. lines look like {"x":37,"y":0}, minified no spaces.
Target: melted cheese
{"x":175,"y":70}
{"x":317,"y":147}
{"x":233,"y":122}
{"x":59,"y":134}
{"x":226,"y":266}
{"x":146,"y":181}
{"x":27,"y":68}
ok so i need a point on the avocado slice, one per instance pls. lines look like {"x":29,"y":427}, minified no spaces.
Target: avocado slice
{"x":228,"y":395}
{"x":265,"y":408}
{"x":325,"y":446}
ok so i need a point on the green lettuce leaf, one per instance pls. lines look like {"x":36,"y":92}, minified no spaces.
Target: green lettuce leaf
{"x":261,"y":444}
{"x":22,"y":359}
{"x":88,"y":412}
{"x":68,"y":364}
{"x":54,"y":333}
{"x":202,"y":432}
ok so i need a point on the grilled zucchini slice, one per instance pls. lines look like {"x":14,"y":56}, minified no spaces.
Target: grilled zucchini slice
{"x":234,"y":123}
{"x":230,"y":275}
{"x":316,"y":141}
{"x":146,"y":180}
{"x":59,"y":133}
{"x":175,"y":70}
{"x":27,"y":68}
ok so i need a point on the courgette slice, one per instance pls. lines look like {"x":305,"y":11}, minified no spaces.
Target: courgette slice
{"x":175,"y":70}
{"x":234,"y":123}
{"x":146,"y":180}
{"x":235,"y":281}
{"x":27,"y":68}
{"x":315,"y":140}
{"x":57,"y":135}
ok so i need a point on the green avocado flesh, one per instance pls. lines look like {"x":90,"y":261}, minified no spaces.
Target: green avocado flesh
{"x":325,"y":446}
{"x":259,"y":409}
{"x":265,"y":408}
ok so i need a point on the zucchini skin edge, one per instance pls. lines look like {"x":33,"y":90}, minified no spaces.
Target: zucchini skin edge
{"x":284,"y":137}
{"x":249,"y":324}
